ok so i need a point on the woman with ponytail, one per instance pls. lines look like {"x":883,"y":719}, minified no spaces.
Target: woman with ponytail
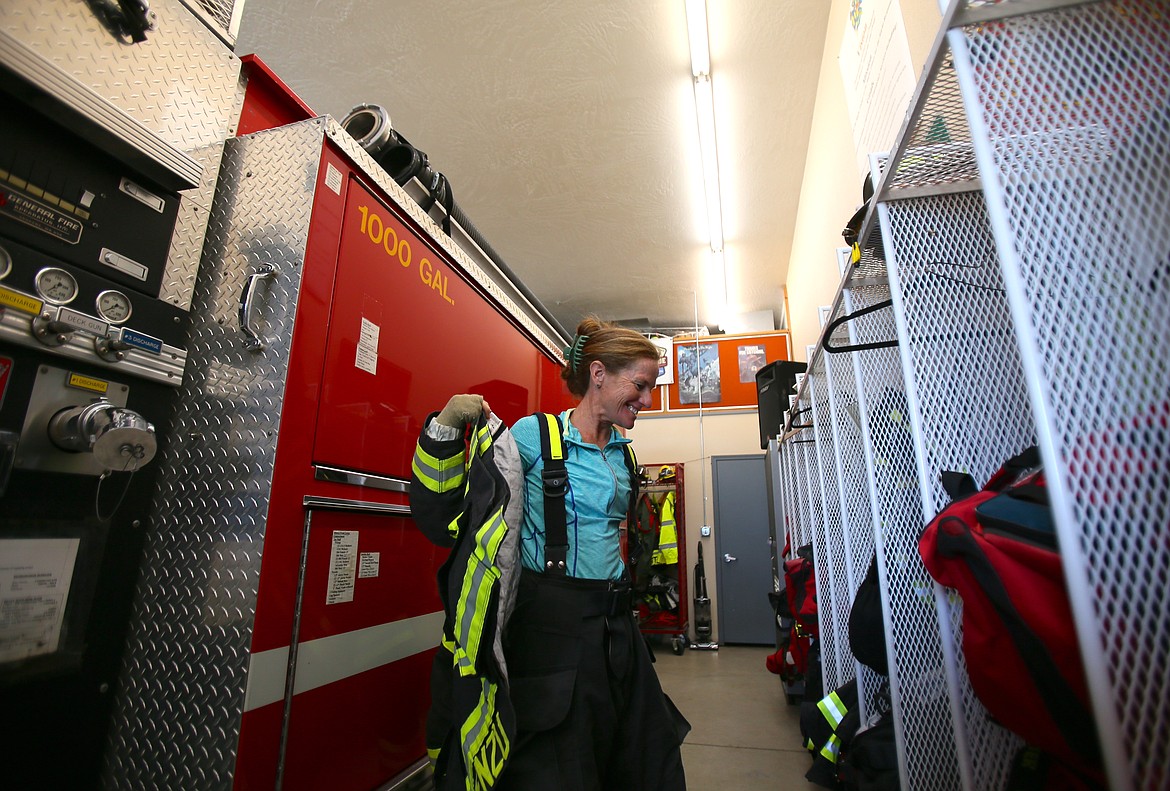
{"x":589,"y":712}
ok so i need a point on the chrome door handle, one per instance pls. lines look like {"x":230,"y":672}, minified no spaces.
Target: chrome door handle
{"x":728,"y":558}
{"x":247,"y":305}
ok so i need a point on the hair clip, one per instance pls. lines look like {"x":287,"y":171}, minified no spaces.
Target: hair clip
{"x":573,"y":353}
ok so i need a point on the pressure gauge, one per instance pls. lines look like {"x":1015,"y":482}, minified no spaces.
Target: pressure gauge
{"x":5,"y":263}
{"x":56,"y":285}
{"x":113,"y":306}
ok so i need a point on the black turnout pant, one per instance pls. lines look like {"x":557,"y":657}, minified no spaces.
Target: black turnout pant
{"x":590,"y":712}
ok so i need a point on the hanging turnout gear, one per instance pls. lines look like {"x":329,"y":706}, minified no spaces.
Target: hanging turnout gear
{"x":825,"y":724}
{"x":642,"y":535}
{"x":471,"y":726}
{"x":666,"y":553}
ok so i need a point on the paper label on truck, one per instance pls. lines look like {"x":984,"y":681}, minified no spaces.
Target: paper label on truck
{"x":368,"y":564}
{"x":333,"y":178}
{"x":343,"y":558}
{"x":367,"y":347}
{"x":35,"y":575}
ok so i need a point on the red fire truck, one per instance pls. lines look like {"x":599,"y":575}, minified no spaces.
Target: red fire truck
{"x":258,"y":611}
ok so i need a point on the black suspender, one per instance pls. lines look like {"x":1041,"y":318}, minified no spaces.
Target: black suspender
{"x":632,"y":467}
{"x":556,"y":483}
{"x":555,"y":480}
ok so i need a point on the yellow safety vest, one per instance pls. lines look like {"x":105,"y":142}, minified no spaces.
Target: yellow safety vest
{"x":667,"y":552}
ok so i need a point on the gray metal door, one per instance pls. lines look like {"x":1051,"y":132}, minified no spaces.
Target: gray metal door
{"x":743,"y":556}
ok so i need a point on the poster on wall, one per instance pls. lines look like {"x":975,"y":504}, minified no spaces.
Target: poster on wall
{"x":878,"y":75}
{"x":698,"y":373}
{"x":665,"y":360}
{"x":751,"y":360}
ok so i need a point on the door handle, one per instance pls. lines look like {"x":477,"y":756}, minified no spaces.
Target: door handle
{"x":248,"y":304}
{"x":728,"y":558}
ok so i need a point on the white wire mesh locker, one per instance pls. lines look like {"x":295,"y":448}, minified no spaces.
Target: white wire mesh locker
{"x":1021,"y":233}
{"x":1077,"y":179}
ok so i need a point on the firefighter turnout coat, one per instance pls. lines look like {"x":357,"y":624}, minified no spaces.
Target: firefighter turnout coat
{"x":470,"y":497}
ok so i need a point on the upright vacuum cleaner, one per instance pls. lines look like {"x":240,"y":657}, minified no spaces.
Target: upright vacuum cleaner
{"x":702,"y":608}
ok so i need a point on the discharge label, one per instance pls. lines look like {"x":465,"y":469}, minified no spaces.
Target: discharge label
{"x":22,"y":302}
{"x":87,"y":383}
{"x":141,"y":341}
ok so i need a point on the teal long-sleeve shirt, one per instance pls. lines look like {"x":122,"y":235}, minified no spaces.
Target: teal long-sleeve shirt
{"x":595,"y":505}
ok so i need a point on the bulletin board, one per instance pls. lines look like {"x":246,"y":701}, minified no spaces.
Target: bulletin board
{"x":719,"y":371}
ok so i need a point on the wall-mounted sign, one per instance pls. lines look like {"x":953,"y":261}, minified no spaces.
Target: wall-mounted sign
{"x":665,"y":360}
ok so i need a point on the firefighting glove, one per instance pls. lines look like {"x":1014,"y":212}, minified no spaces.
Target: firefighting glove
{"x":463,"y":409}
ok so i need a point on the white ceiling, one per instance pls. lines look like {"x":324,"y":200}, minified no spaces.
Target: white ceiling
{"x":567,"y":132}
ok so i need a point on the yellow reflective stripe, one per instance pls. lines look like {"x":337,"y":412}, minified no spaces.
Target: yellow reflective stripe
{"x":433,"y":755}
{"x":831,"y":749}
{"x":808,"y":745}
{"x":833,"y":709}
{"x":483,"y":438}
{"x":484,"y":742}
{"x":479,"y":579}
{"x":556,"y":441}
{"x":438,"y":475}
{"x":453,"y":526}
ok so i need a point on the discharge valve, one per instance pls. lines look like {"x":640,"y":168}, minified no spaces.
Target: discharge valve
{"x":119,"y":438}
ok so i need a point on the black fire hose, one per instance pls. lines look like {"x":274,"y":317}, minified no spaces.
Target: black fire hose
{"x":370,"y":125}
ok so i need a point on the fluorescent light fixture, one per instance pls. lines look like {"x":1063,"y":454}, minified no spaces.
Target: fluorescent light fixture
{"x":705,"y":117}
{"x":705,"y":113}
{"x":718,"y":286}
{"x":697,"y":33}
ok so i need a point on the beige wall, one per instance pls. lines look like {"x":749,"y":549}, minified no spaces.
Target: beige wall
{"x":693,"y":441}
{"x":831,"y":191}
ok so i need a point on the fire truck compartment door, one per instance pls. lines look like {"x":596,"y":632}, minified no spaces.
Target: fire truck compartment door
{"x":371,"y":620}
{"x":406,"y":332}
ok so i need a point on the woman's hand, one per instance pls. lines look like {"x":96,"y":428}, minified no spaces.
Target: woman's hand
{"x":463,"y":409}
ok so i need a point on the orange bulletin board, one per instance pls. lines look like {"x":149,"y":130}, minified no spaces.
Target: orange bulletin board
{"x":739,"y":356}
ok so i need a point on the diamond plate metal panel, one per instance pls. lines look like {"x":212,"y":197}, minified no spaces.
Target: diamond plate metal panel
{"x":181,"y":694}
{"x":181,"y":83}
{"x":178,"y":283}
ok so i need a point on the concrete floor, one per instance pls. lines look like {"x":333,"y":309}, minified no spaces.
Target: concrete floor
{"x":744,"y":735}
